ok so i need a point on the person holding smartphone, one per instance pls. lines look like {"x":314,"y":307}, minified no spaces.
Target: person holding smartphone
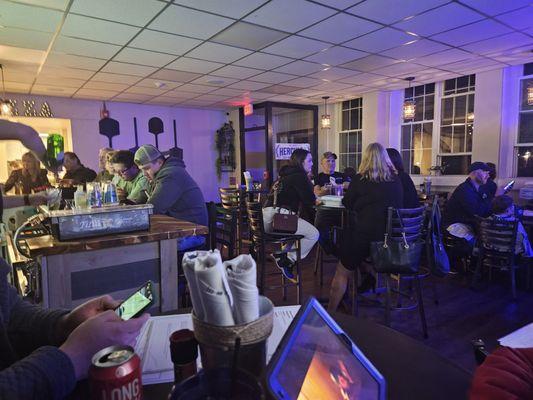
{"x":43,"y":353}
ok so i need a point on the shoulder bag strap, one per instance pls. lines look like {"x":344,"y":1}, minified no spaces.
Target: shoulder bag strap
{"x":405,"y":244}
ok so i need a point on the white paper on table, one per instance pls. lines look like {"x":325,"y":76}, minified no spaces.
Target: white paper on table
{"x":153,"y":346}
{"x":242,"y":277}
{"x":519,"y":339}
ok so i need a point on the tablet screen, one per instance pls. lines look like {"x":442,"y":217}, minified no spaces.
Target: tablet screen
{"x":318,"y":364}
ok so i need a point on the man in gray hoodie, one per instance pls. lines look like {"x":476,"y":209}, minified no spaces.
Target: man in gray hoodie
{"x":172,"y":192}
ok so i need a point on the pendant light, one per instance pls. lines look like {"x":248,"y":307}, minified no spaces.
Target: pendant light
{"x":530,"y":95}
{"x":325,"y":119}
{"x":6,"y":108}
{"x":409,"y":106}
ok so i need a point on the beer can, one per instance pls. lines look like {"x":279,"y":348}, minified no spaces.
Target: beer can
{"x":115,"y":374}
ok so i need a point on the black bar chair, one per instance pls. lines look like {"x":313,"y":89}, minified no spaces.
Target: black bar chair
{"x":262,"y":239}
{"x":223,"y":230}
{"x":235,"y":199}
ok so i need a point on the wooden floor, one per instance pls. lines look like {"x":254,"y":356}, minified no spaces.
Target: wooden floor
{"x":461,"y":315}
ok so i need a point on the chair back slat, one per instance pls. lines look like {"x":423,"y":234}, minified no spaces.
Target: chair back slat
{"x":413,"y":223}
{"x":497,"y":235}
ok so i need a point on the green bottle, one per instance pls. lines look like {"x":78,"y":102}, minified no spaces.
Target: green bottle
{"x":55,"y":148}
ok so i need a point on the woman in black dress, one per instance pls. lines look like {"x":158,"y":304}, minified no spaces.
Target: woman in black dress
{"x":410,"y":196}
{"x":375,"y":188}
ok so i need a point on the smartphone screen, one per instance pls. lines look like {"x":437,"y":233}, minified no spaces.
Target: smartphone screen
{"x":509,"y":186}
{"x":139,"y":301}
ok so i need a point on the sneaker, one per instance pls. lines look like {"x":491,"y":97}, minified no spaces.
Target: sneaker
{"x":285,"y":265}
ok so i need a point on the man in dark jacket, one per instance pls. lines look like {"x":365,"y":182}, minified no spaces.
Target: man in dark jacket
{"x":77,"y":173}
{"x":172,"y":192}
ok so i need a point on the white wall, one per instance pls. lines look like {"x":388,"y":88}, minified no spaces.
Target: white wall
{"x":196,"y":130}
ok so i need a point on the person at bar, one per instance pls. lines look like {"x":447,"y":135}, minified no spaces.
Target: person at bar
{"x":410,"y":196}
{"x":43,"y":353}
{"x":30,"y":178}
{"x":490,"y":187}
{"x":124,"y":165}
{"x":328,"y":177}
{"x":104,"y":175}
{"x":374,"y":189}
{"x":173,"y":191}
{"x":77,"y":173}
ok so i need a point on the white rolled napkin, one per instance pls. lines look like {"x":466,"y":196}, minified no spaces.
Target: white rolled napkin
{"x":188,"y":263}
{"x":242,"y":277}
{"x":212,"y":288}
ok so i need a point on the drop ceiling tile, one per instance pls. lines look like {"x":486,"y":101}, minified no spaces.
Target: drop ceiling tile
{"x":440,"y":19}
{"x":248,"y":85}
{"x":163,"y":42}
{"x":444,"y":57}
{"x":18,"y":56}
{"x":115,"y":78}
{"x":248,"y":36}
{"x":336,"y":55}
{"x":259,"y":96}
{"x":263,"y":61}
{"x":115,"y":87}
{"x":333,"y":73}
{"x":361,"y":79}
{"x":296,"y":47}
{"x":304,"y":82}
{"x":429,"y":75}
{"x":272,"y":77}
{"x":389,"y":11}
{"x":340,"y":28}
{"x":193,"y":88}
{"x":16,"y":15}
{"x":331,"y":86}
{"x":499,"y":43}
{"x":286,"y":99}
{"x":416,"y":49}
{"x":178,"y":96}
{"x":369,"y":63}
{"x":288,"y":16}
{"x":94,"y":94}
{"x":163,"y":101}
{"x":194,"y":65}
{"x":517,"y":55}
{"x":218,"y":52}
{"x":175,"y":76}
{"x":378,"y":41}
{"x":96,"y":29}
{"x":73,"y":61}
{"x":280,"y":89}
{"x":228,"y":92}
{"x":59,"y":81}
{"x":66,"y":72}
{"x":17,"y":87}
{"x":212,"y":80}
{"x":128,"y":69}
{"x":188,"y":22}
{"x":153,"y":91}
{"x":55,"y":4}
{"x":307,"y":92}
{"x":339,"y":4}
{"x":143,"y":57}
{"x":195,"y":103}
{"x":519,"y":19}
{"x":158,"y":83}
{"x":133,"y":12}
{"x":472,"y":33}
{"x":88,"y":48}
{"x":494,"y":7}
{"x":229,"y":8}
{"x":52,"y":90}
{"x":25,"y":38}
{"x":470,"y":64}
{"x":211,"y":97}
{"x":131,"y":97}
{"x":300,"y":68}
{"x":18,"y":77}
{"x":400,"y":69}
{"x":234,"y":71}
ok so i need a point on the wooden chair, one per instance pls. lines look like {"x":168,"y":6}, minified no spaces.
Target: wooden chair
{"x":496,"y":248}
{"x":260,"y":241}
{"x":235,"y":199}
{"x":222,"y":229}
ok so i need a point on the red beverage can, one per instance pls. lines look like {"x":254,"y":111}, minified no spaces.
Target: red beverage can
{"x":115,"y":374}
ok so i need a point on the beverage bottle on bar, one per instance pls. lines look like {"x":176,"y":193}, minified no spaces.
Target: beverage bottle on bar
{"x":80,"y":198}
{"x":183,"y":352}
{"x":55,"y":147}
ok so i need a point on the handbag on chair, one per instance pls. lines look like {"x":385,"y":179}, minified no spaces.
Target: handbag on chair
{"x":393,"y":256}
{"x":283,"y":222}
{"x":437,"y":257}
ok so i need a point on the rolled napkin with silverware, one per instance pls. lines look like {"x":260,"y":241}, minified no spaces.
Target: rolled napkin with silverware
{"x":242,"y":278}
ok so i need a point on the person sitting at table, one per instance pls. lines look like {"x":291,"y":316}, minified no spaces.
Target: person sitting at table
{"x":328,"y":177}
{"x":490,"y":187}
{"x":294,"y":190}
{"x":104,"y":175}
{"x":31,"y":178}
{"x":503,"y":209}
{"x":77,"y":173}
{"x":124,"y":165}
{"x":467,"y":202}
{"x":374,"y":189}
{"x":173,"y":191}
{"x":410,"y":196}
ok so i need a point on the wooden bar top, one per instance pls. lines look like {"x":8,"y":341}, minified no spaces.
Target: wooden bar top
{"x":162,"y":227}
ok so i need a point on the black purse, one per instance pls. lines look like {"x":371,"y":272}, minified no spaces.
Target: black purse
{"x":393,"y":256}
{"x":439,"y":263}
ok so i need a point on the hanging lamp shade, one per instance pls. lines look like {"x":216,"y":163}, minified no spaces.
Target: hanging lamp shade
{"x":530,"y":95}
{"x":409,"y":106}
{"x":325,"y":119}
{"x":6,"y":108}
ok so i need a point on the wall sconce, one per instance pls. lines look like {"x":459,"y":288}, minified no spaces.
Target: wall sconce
{"x":409,"y":106}
{"x":6,"y":108}
{"x":530,"y":95}
{"x":325,"y":119}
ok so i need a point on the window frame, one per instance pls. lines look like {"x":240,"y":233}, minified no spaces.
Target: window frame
{"x":516,"y":144}
{"x":359,"y":132}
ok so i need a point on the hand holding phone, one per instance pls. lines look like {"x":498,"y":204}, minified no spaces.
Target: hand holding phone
{"x":138,"y":302}
{"x":508,"y":187}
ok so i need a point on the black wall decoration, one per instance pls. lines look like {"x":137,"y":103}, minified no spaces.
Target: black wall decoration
{"x":109,"y":127}
{"x":175,"y":151}
{"x":155,"y":127}
{"x":225,"y":144}
{"x":136,"y":147}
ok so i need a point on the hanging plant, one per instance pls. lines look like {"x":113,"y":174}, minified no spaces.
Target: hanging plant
{"x":225,"y":145}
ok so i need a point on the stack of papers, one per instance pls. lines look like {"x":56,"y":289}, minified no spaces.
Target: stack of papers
{"x":153,"y":346}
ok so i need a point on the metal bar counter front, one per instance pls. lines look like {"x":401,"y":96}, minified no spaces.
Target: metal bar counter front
{"x":75,"y":271}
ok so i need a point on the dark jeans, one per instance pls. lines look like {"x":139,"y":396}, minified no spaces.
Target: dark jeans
{"x":325,"y":220}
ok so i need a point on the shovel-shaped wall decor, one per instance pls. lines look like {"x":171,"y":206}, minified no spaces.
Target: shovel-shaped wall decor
{"x":175,"y":151}
{"x":109,"y":127}
{"x":155,"y":127}
{"x":136,"y":147}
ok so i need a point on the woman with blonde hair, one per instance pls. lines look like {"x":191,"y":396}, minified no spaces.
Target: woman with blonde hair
{"x":30,"y":178}
{"x":372,"y":190}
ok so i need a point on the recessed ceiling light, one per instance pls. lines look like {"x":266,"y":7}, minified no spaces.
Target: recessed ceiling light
{"x":160,"y":85}
{"x":411,"y":33}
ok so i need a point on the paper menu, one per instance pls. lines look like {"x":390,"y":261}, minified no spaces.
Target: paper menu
{"x":521,"y":338}
{"x":153,"y":343}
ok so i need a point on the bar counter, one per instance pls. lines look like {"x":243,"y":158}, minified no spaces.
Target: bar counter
{"x":75,"y":271}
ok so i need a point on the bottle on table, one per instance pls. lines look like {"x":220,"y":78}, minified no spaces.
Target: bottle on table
{"x":80,"y":198}
{"x":183,"y":353}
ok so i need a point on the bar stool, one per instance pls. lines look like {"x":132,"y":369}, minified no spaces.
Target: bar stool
{"x":235,"y":199}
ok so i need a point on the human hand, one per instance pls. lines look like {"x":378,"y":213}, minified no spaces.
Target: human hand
{"x":96,"y":333}
{"x":121,"y":194}
{"x":66,"y":182}
{"x":83,"y":312}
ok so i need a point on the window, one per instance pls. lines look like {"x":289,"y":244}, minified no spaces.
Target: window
{"x":524,"y":143}
{"x":417,"y":133}
{"x":456,"y":125}
{"x":350,"y":148}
